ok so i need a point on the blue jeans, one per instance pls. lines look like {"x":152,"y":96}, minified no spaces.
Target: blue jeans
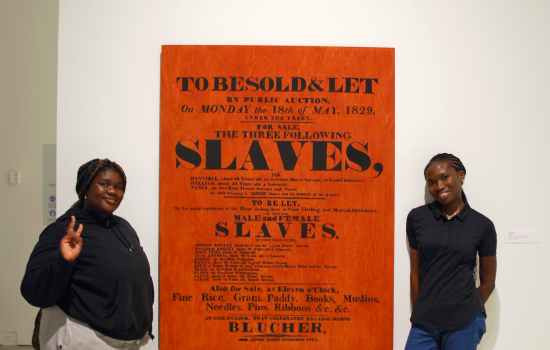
{"x":466,"y":338}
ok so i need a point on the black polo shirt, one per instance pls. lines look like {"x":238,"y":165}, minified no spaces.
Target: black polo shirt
{"x":447,"y":295}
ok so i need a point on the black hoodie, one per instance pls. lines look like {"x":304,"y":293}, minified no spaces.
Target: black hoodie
{"x":108,"y":286}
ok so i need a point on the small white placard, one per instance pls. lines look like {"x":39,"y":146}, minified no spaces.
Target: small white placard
{"x":523,"y":235}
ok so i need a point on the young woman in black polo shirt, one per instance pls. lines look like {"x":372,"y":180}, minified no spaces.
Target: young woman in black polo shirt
{"x":445,"y":238}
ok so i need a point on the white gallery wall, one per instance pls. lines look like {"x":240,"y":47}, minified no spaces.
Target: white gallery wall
{"x":471,"y":79}
{"x":28,"y":76}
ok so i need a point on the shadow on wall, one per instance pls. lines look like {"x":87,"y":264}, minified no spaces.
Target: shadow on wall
{"x":493,"y":322}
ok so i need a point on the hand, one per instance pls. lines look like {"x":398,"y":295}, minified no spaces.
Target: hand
{"x":71,"y":243}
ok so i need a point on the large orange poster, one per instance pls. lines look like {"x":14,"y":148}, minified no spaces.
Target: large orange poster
{"x":276,"y":197}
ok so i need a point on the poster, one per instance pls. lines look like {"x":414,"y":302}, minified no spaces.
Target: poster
{"x":276,"y":197}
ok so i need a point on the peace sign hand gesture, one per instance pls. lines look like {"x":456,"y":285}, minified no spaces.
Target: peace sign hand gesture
{"x":71,"y":243}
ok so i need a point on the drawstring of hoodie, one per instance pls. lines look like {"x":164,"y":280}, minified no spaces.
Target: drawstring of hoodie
{"x":121,"y":237}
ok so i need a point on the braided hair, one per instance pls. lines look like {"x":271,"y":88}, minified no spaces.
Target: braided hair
{"x":86,"y":174}
{"x":448,"y":158}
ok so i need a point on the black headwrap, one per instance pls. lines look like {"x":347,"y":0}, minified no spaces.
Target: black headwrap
{"x":86,"y":174}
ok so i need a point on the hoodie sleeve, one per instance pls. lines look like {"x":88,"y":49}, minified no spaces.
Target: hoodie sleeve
{"x":48,"y":274}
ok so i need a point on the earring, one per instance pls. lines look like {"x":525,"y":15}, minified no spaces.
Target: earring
{"x":463,"y":181}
